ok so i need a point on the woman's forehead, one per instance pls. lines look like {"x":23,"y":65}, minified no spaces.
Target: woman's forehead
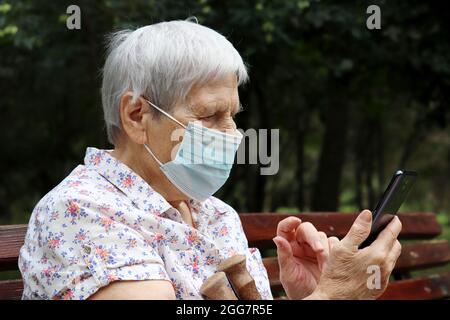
{"x":218,"y":95}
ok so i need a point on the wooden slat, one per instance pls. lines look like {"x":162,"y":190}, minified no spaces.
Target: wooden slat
{"x":11,"y":239}
{"x":423,"y":255}
{"x":429,"y":288}
{"x":11,"y":289}
{"x":260,"y":228}
{"x":414,"y":256}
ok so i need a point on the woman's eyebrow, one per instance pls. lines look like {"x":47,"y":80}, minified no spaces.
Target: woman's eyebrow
{"x":213,"y":106}
{"x":198,"y":108}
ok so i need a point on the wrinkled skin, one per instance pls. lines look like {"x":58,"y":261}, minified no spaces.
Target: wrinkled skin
{"x":313,"y":266}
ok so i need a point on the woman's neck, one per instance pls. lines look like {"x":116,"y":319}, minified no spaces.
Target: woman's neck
{"x":155,"y":178}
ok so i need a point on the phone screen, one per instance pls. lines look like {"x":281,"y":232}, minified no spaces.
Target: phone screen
{"x":390,"y":202}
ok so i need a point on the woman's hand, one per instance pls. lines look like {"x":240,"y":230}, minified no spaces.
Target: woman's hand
{"x":346,"y":274}
{"x":302,"y":254}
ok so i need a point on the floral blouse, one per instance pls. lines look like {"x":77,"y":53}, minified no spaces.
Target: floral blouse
{"x":104,"y":223}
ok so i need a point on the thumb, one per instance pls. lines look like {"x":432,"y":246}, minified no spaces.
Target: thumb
{"x":284,"y":250}
{"x":359,"y":231}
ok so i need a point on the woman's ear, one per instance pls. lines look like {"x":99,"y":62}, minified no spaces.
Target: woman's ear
{"x":133,"y":116}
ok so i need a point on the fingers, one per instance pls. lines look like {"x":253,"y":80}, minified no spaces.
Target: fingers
{"x":306,"y":232}
{"x":284,"y":251}
{"x":324,"y":240}
{"x":388,"y":236}
{"x":323,"y":255}
{"x":287,"y":226}
{"x":332,"y":242}
{"x":394,"y":254}
{"x":359,"y":231}
{"x":323,"y":259}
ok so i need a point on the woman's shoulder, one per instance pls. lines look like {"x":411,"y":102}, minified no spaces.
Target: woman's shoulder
{"x":80,"y":191}
{"x":83,"y":183}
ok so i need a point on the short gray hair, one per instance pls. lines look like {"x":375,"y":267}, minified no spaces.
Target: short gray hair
{"x":162,"y":62}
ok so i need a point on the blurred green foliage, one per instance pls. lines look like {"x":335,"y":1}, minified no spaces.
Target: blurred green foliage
{"x":352,"y":104}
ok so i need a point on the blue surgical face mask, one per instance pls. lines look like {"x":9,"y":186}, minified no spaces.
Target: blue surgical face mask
{"x":203,"y":160}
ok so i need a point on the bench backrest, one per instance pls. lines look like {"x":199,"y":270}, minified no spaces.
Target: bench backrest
{"x":260,"y":228}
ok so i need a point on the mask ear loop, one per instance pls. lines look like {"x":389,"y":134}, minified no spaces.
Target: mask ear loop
{"x":165,"y":113}
{"x":170,"y":117}
{"x":153,"y":155}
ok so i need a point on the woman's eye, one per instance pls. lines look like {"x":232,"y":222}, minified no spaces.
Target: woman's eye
{"x":208,"y":117}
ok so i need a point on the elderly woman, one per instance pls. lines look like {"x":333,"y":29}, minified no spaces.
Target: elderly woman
{"x":140,"y":221}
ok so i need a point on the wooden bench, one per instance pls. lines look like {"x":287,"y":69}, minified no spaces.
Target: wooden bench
{"x":260,"y":228}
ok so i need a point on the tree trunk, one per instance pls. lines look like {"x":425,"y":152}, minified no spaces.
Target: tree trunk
{"x":327,"y":185}
{"x":255,"y":200}
{"x":300,"y":144}
{"x":370,"y":155}
{"x":359,"y":169}
{"x":380,"y":156}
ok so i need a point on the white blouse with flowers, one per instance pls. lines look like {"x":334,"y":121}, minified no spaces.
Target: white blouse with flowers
{"x":104,"y":223}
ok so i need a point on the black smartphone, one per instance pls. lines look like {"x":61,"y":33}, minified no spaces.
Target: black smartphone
{"x":392,"y":199}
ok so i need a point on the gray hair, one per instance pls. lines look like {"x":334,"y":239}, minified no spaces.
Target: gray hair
{"x":162,"y":62}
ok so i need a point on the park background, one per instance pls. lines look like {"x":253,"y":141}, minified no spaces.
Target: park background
{"x":352,"y":105}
